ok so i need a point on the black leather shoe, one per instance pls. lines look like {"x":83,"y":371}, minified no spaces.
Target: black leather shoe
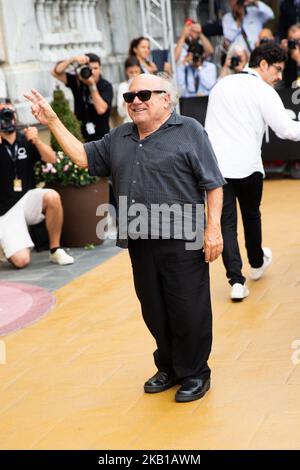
{"x":160,"y":381}
{"x":192,"y":389}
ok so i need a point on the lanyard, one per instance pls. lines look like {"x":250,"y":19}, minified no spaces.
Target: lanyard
{"x":248,"y":73}
{"x":13,"y":154}
{"x":195,"y":77}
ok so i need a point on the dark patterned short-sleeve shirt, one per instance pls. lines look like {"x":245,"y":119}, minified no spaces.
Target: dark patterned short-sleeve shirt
{"x":174,"y":165}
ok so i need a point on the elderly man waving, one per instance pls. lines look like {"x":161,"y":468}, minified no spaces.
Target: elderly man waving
{"x":161,"y":159}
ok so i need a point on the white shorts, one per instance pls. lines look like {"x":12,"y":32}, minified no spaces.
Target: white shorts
{"x":14,"y":234}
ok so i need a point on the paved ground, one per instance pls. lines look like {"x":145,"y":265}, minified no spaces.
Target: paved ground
{"x":51,"y":276}
{"x":74,"y":379}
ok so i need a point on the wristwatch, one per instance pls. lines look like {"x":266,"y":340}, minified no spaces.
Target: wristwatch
{"x":93,"y":88}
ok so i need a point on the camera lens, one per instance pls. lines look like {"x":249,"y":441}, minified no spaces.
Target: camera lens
{"x":85,"y":72}
{"x":235,"y":60}
{"x":293,"y":43}
{"x":6,"y":114}
{"x":7,"y":123}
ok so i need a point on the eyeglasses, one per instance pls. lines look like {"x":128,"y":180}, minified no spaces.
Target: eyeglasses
{"x":143,"y":95}
{"x":278,"y":68}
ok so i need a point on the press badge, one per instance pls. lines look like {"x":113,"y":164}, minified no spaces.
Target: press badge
{"x":90,"y":128}
{"x":17,"y":185}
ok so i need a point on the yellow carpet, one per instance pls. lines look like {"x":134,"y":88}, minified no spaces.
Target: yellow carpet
{"x":75,"y":379}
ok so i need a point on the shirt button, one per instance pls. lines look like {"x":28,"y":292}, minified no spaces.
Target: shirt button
{"x":134,"y":181}
{"x":140,"y":145}
{"x":137,"y":163}
{"x":132,"y":200}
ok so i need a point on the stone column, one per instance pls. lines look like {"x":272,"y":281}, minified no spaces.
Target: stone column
{"x":40,"y":16}
{"x":92,"y":14}
{"x":64,"y":16}
{"x":72,"y":14}
{"x":55,"y":15}
{"x":48,"y":16}
{"x":85,"y":15}
{"x":79,"y":16}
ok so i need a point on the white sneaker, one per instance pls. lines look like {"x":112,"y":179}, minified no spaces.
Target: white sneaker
{"x":61,"y":257}
{"x":239,"y":291}
{"x":256,"y":273}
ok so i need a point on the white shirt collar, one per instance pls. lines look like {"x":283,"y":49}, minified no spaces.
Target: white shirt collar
{"x":251,"y":71}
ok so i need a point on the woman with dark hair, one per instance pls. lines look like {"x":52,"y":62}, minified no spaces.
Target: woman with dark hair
{"x":140,"y":48}
{"x":132,"y":69}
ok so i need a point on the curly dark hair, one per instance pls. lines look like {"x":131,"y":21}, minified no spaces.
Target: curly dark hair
{"x":270,"y":52}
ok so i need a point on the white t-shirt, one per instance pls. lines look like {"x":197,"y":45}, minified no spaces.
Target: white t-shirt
{"x":240,"y":107}
{"x":253,"y":23}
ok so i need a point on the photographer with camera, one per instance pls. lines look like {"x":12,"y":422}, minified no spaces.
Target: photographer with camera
{"x":192,"y":34}
{"x":266,"y":36}
{"x":245,"y":21}
{"x":196,"y":76}
{"x":291,"y":72}
{"x":92,"y":93}
{"x":236,"y":60}
{"x":21,"y":203}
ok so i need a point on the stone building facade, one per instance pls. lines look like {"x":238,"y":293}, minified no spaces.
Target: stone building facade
{"x":34,"y":34}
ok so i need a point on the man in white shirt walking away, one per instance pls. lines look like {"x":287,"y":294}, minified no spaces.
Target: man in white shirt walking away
{"x":239,"y":108}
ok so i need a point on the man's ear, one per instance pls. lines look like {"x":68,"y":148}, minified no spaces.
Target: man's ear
{"x":166,"y":100}
{"x":263,"y":65}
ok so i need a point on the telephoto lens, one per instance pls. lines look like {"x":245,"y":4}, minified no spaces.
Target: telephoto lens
{"x":7,"y":117}
{"x":293,"y":43}
{"x":84,"y":71}
{"x":235,"y":60}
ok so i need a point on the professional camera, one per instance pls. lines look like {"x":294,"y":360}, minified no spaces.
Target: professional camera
{"x":196,"y":49}
{"x":7,"y":118}
{"x":266,"y":41}
{"x":235,"y":60}
{"x":84,"y":71}
{"x":293,"y":43}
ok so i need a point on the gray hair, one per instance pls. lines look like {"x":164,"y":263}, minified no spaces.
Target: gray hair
{"x":171,"y":90}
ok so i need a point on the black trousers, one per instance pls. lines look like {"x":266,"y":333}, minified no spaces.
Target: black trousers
{"x":172,"y":285}
{"x":248,"y":192}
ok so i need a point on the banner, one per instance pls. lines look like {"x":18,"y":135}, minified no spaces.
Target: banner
{"x":273,"y":148}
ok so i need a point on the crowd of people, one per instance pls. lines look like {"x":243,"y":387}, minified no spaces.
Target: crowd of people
{"x":242,"y":25}
{"x":203,"y":59}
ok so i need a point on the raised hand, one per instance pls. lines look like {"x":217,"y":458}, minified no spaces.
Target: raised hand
{"x":81,"y":59}
{"x":40,"y":108}
{"x":31,"y":134}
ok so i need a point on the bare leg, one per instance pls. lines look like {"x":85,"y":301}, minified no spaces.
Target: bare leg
{"x":53,"y":211}
{"x":20,"y":259}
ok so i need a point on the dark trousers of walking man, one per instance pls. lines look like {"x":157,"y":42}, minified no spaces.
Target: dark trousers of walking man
{"x":248,"y":192}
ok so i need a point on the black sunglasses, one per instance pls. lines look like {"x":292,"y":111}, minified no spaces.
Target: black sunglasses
{"x":143,"y":95}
